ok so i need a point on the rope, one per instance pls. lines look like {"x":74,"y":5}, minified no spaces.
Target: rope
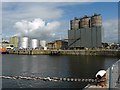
{"x":55,"y":79}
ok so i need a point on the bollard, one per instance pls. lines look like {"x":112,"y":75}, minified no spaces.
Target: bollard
{"x":101,"y":77}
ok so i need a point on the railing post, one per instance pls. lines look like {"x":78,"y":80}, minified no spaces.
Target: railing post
{"x":110,"y":78}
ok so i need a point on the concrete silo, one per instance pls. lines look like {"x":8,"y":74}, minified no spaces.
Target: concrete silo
{"x":85,"y":22}
{"x":96,"y":20}
{"x":75,"y":24}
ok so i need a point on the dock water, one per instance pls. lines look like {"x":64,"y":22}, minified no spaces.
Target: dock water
{"x":113,"y":73}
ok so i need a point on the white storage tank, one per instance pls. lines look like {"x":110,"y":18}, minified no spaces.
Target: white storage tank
{"x":43,"y":44}
{"x":24,"y":42}
{"x":34,"y":43}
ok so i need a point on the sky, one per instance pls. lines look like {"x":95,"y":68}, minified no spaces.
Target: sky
{"x":51,"y":20}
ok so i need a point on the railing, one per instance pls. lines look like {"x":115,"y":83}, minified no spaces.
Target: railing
{"x":114,"y":75}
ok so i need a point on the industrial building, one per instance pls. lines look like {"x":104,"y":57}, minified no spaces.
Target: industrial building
{"x":15,"y":41}
{"x":58,"y":44}
{"x":50,"y":45}
{"x":85,"y":32}
{"x":6,"y":45}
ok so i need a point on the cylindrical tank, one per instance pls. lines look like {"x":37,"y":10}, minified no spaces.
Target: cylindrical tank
{"x":75,"y":24}
{"x":34,"y":43}
{"x":85,"y":22}
{"x":43,"y":43}
{"x":24,"y":42}
{"x":96,"y":20}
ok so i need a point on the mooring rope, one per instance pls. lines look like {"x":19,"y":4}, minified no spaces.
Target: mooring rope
{"x":49,"y":78}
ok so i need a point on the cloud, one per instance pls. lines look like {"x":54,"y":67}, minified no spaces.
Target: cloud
{"x":33,"y":14}
{"x":110,"y":30}
{"x":29,"y":17}
{"x":60,"y":0}
{"x":38,"y":28}
{"x":49,"y":0}
{"x":31,"y":10}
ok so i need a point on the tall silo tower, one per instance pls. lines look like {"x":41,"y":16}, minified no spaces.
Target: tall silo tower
{"x":85,"y":22}
{"x":75,"y":24}
{"x":96,"y":20}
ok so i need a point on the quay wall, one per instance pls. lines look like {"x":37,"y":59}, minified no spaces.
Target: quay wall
{"x":67,"y":52}
{"x":30,"y":52}
{"x":92,"y":52}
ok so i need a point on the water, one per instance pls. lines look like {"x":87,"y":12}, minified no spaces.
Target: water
{"x":53,"y":66}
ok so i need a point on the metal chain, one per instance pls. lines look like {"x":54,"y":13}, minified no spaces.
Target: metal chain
{"x":49,"y":78}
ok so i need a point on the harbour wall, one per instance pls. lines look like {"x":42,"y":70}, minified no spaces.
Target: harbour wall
{"x":104,"y":52}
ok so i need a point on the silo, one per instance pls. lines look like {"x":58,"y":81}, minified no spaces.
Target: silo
{"x":75,"y":24}
{"x":24,"y":42}
{"x":84,"y":23}
{"x":96,"y":20}
{"x":43,"y":44}
{"x":34,"y":43}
